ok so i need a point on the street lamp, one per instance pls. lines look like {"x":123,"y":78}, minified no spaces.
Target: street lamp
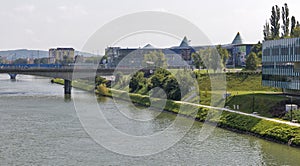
{"x":291,"y":99}
{"x":291,"y":107}
{"x":252,"y":101}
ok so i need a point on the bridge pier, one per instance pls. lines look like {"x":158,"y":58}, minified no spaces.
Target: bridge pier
{"x":68,"y":87}
{"x":12,"y":76}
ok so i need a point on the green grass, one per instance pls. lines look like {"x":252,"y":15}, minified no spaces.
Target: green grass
{"x":257,"y":102}
{"x":243,"y":87}
{"x":247,"y":82}
{"x":263,"y":128}
{"x":240,"y":82}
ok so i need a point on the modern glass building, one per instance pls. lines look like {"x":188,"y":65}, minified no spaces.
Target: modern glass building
{"x":238,"y":51}
{"x":281,"y":64}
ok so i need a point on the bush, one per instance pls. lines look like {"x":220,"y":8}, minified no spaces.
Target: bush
{"x":295,"y":115}
{"x":102,"y":89}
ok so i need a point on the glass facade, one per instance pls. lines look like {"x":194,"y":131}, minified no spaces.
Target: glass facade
{"x":278,"y":63}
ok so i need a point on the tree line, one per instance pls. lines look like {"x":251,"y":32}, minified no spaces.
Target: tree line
{"x":211,"y":58}
{"x":273,"y":29}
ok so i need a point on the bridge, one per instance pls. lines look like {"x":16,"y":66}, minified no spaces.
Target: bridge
{"x":68,"y":73}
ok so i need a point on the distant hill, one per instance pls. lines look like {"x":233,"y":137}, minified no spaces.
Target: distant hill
{"x":85,"y":54}
{"x":24,"y":53}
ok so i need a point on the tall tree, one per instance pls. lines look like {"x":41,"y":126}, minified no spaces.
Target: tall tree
{"x":251,"y":61}
{"x":285,"y":21}
{"x":293,"y":25}
{"x":197,"y":61}
{"x":257,"y":49}
{"x":224,"y":54}
{"x":274,"y":20}
{"x":297,"y":31}
{"x":211,"y":58}
{"x":267,"y":32}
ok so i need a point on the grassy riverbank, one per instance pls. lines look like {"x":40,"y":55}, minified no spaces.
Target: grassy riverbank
{"x":277,"y":132}
{"x":246,"y":92}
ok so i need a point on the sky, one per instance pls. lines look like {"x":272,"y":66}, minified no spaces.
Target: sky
{"x":42,"y":24}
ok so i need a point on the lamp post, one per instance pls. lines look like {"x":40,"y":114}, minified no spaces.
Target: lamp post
{"x":291,"y":99}
{"x":225,"y":96}
{"x":291,"y":108}
{"x":252,"y":101}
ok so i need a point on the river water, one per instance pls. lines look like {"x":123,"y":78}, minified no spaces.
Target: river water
{"x":39,"y":127}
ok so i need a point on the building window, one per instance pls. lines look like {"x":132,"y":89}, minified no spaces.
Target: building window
{"x":266,"y":52}
{"x":285,"y":51}
{"x":297,"y":50}
{"x":275,"y":50}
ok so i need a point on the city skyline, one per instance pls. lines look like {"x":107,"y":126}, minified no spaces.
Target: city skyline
{"x":46,"y":24}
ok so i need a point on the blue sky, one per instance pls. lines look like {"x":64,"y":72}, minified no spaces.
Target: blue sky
{"x":35,"y":24}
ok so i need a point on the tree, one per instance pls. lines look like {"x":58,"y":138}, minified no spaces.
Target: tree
{"x":197,"y":61}
{"x":137,"y":82}
{"x":274,"y":20}
{"x":104,"y":59}
{"x":100,"y":80}
{"x":293,"y":25}
{"x":155,"y":58}
{"x":285,"y":21}
{"x":67,"y":59}
{"x":20,"y":61}
{"x":297,"y":32}
{"x":267,"y":32}
{"x":251,"y":61}
{"x":211,"y":58}
{"x":257,"y":47}
{"x":185,"y":79}
{"x":40,"y":61}
{"x":223,"y":53}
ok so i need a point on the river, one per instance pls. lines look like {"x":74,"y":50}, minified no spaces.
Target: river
{"x":39,"y":127}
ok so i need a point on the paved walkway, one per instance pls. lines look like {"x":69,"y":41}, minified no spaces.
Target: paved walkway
{"x":243,"y":113}
{"x":238,"y":112}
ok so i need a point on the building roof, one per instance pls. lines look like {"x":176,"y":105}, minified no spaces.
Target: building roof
{"x":65,"y":48}
{"x":184,"y":42}
{"x":238,"y":39}
{"x":148,"y":46}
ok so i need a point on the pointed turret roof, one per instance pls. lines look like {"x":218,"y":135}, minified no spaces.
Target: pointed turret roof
{"x":184,"y":42}
{"x":148,"y":46}
{"x":238,"y":39}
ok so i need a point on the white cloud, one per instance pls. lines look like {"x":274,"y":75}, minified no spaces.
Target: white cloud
{"x":62,"y":8}
{"x":72,"y":11}
{"x":25,"y":8}
{"x":160,"y":10}
{"x":29,"y":31}
{"x":49,"y":20}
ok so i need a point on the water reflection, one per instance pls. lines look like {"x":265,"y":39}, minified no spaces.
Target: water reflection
{"x":37,"y":127}
{"x":67,"y":98}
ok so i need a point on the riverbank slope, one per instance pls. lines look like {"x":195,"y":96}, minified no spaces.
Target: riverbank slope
{"x":276,"y":131}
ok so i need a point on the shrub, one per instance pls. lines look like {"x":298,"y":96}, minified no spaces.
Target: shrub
{"x":102,"y":89}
